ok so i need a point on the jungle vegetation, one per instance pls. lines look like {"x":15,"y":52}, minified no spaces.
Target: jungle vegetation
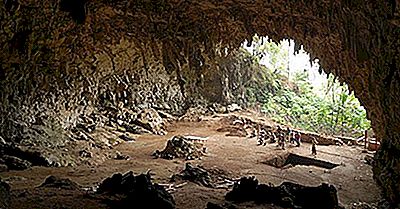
{"x":289,"y":97}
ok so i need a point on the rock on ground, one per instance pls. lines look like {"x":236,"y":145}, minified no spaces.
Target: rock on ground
{"x":138,"y":191}
{"x":61,"y":183}
{"x":15,"y":163}
{"x":181,"y":147}
{"x":287,"y":195}
{"x":194,"y":174}
{"x":150,"y":120}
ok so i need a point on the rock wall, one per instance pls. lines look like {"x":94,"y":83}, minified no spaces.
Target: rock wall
{"x":52,"y":51}
{"x":54,"y":73}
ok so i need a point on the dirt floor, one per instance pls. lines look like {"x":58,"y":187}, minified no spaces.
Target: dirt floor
{"x":234,"y":156}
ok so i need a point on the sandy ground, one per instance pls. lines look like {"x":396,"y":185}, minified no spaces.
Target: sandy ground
{"x":236,"y":156}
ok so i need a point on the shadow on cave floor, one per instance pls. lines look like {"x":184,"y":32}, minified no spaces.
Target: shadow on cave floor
{"x":282,"y":161}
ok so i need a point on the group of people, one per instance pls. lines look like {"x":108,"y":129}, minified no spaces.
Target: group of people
{"x":280,"y":136}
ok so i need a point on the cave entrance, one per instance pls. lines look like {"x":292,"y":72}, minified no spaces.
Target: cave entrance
{"x":286,"y":84}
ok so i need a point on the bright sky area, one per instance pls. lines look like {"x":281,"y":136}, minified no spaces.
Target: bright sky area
{"x":299,"y":62}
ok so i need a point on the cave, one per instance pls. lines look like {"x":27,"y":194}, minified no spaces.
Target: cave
{"x":62,"y":59}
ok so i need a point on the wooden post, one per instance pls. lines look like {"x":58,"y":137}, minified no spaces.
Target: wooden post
{"x":365,"y":138}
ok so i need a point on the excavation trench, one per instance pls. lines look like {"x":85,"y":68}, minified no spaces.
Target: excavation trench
{"x":282,"y":161}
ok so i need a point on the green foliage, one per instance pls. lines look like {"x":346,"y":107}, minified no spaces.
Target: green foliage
{"x":294,"y":102}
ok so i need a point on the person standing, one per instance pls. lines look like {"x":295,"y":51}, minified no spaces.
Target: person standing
{"x":261,"y":136}
{"x":272,"y":137}
{"x":281,"y":140}
{"x":288,"y":134}
{"x":297,"y":138}
{"x":314,"y":146}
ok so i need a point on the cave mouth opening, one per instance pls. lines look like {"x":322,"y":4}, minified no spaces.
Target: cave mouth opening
{"x":290,"y":159}
{"x":286,"y":83}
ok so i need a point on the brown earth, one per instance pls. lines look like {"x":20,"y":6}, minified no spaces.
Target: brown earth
{"x":235,"y":156}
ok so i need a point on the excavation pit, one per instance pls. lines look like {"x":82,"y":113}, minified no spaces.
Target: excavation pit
{"x":285,"y":160}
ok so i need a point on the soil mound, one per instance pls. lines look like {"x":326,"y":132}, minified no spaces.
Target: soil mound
{"x":61,"y":183}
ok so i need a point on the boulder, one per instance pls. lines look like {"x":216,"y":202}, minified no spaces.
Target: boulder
{"x":120,"y":156}
{"x":35,"y":156}
{"x":126,"y":138}
{"x":194,"y":174}
{"x":151,"y":121}
{"x":61,"y":183}
{"x":287,"y":195}
{"x":15,"y":163}
{"x":138,"y":191}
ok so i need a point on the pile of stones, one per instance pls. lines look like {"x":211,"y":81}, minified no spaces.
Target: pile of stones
{"x":181,"y":147}
{"x":194,"y":174}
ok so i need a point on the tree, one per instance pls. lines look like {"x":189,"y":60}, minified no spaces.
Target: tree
{"x":294,"y":102}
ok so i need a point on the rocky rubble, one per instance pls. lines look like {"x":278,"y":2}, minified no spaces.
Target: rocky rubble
{"x":181,"y":147}
{"x":137,"y":192}
{"x":238,"y":126}
{"x":212,"y":178}
{"x":194,"y":174}
{"x":287,"y":195}
{"x":27,"y":153}
{"x":195,"y":114}
{"x":151,"y":121}
{"x":82,"y":142}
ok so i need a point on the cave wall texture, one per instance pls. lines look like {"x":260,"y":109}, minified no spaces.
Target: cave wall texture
{"x":61,"y":57}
